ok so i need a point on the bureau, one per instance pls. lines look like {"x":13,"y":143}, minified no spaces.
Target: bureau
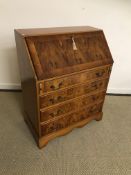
{"x":64,"y":77}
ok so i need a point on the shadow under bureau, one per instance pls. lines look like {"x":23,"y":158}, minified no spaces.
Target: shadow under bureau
{"x":64,"y":77}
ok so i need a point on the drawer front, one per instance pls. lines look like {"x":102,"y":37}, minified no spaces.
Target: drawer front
{"x":67,"y":94}
{"x":70,"y":106}
{"x":51,"y":85}
{"x":70,"y":119}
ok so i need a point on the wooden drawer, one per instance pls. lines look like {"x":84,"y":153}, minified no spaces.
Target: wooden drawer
{"x":70,"y":106}
{"x":58,"y":83}
{"x":67,"y":94}
{"x":70,"y":119}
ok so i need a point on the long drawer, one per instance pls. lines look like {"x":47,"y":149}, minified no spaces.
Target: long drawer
{"x":70,"y":119}
{"x":70,"y":106}
{"x":76,"y":78}
{"x":70,"y":93}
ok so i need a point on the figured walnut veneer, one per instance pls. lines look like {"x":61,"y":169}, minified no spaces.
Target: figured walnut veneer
{"x":64,"y":77}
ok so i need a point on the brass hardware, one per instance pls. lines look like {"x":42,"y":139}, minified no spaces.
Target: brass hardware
{"x":56,"y":86}
{"x":99,"y":74}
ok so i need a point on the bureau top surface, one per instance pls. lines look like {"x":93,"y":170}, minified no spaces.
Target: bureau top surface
{"x":54,"y":30}
{"x":60,"y":51}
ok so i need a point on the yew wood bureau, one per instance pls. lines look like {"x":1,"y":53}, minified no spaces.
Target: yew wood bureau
{"x":64,"y":77}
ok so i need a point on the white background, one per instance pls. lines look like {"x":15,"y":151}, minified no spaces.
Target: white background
{"x":113,"y":16}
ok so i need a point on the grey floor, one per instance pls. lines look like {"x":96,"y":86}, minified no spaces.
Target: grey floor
{"x":99,"y":148}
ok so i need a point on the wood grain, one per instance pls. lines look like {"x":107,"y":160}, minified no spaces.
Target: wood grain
{"x":57,"y":56}
{"x":28,"y":82}
{"x":60,"y":83}
{"x":70,"y":93}
{"x":43,"y":141}
{"x":72,"y":105}
{"x":64,"y":75}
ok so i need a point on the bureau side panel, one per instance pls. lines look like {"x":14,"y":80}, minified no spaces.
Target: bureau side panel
{"x":28,"y":83}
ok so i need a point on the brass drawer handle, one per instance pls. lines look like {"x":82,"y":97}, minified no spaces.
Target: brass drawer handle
{"x":51,"y":127}
{"x":53,"y":100}
{"x":60,"y":111}
{"x":100,"y":74}
{"x":52,"y":87}
{"x":56,"y":99}
{"x":60,"y":98}
{"x":55,"y":113}
{"x":56,"y":86}
{"x":94,"y":86}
